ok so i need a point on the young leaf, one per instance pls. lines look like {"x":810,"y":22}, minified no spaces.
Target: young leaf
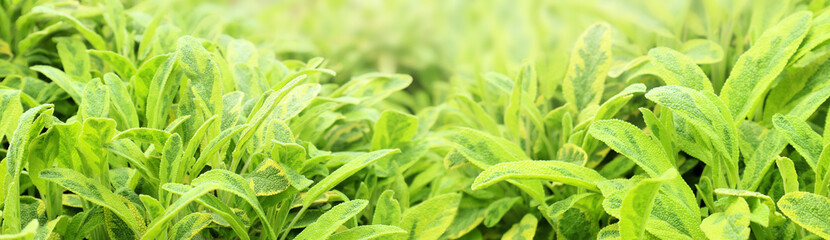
{"x":343,"y":172}
{"x":637,"y":205}
{"x":268,"y":179}
{"x":437,"y":211}
{"x":760,"y":65}
{"x":732,"y":223}
{"x":523,"y":230}
{"x":332,"y":219}
{"x":589,"y":64}
{"x":216,"y":179}
{"x":74,"y":58}
{"x":190,"y":225}
{"x":496,"y":210}
{"x":96,"y":100}
{"x":675,"y":68}
{"x":202,"y":71}
{"x":125,"y":111}
{"x":392,"y":129}
{"x":387,"y":209}
{"x":703,"y":110}
{"x":788,"y":174}
{"x":633,"y":143}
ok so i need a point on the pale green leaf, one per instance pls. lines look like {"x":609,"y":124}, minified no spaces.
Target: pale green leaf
{"x":760,"y":65}
{"x":589,"y":64}
{"x":429,"y":219}
{"x":810,"y":211}
{"x":332,"y":219}
{"x":542,"y":170}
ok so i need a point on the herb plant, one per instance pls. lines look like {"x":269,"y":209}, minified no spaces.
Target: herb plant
{"x":637,"y":120}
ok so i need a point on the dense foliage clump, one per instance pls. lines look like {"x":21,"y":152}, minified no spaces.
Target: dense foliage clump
{"x":571,"y":119}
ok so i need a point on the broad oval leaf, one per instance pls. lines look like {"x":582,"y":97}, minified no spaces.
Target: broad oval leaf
{"x":732,"y":223}
{"x":810,"y":211}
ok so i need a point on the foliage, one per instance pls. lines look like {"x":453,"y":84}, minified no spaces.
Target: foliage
{"x":636,"y":120}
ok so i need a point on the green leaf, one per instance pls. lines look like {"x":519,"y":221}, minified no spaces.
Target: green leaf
{"x":630,"y":141}
{"x":268,"y":179}
{"x":732,"y":223}
{"x":216,"y":179}
{"x":116,"y":62}
{"x":295,"y":101}
{"x":93,"y":192}
{"x":496,"y":210}
{"x":393,"y":129}
{"x":344,"y":172}
{"x":589,"y":64}
{"x":610,"y":232}
{"x":373,"y":87}
{"x":633,"y":143}
{"x":161,"y":92}
{"x":125,"y":111}
{"x":484,"y":150}
{"x":760,"y":65}
{"x":806,"y":141}
{"x":429,"y":219}
{"x":675,"y":68}
{"x":70,"y":86}
{"x":96,"y":100}
{"x":705,"y":111}
{"x":368,"y":232}
{"x":27,"y":233}
{"x":756,"y":202}
{"x":702,"y":51}
{"x":94,"y":39}
{"x":573,"y":154}
{"x":542,"y":170}
{"x":29,"y":125}
{"x":523,"y":230}
{"x":96,"y":133}
{"x":228,"y":215}
{"x":637,"y":205}
{"x":202,"y":70}
{"x":810,"y":211}
{"x":190,"y":225}
{"x":214,"y":146}
{"x":332,"y":219}
{"x":74,"y":58}
{"x":170,"y":163}
{"x":145,"y":135}
{"x":788,"y":174}
{"x":10,"y":111}
{"x":558,"y":208}
{"x":387,"y":209}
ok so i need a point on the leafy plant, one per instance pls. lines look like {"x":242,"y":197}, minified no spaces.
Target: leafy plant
{"x":634,"y":120}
